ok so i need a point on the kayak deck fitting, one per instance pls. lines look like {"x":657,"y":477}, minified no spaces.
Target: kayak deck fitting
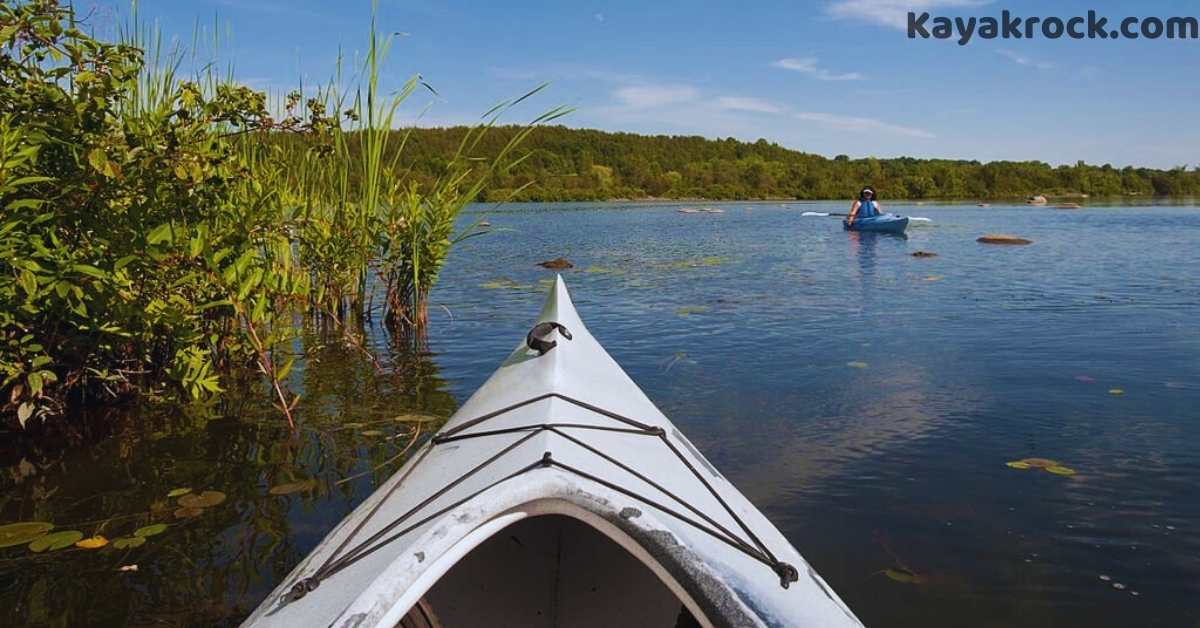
{"x":558,"y":495}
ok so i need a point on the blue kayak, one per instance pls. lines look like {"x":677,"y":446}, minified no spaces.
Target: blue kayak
{"x":883,"y":223}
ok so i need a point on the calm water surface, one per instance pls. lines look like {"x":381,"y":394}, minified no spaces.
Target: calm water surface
{"x":865,"y":399}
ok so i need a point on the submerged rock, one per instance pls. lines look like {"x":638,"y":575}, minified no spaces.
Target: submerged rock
{"x":1002,"y":238}
{"x":1037,"y":199}
{"x":1067,"y":206}
{"x":924,"y":254}
{"x":557,"y":263}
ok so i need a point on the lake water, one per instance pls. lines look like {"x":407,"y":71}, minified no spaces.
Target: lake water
{"x":865,"y":399}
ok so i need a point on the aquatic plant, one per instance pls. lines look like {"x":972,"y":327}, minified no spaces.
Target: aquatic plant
{"x":163,"y":228}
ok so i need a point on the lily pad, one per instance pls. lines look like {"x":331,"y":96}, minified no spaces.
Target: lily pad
{"x":55,"y":541}
{"x":22,"y":533}
{"x":150,"y":530}
{"x":95,"y":542}
{"x":688,"y":310}
{"x":371,"y":433}
{"x":1116,"y":391}
{"x":203,"y":500}
{"x":129,"y":542}
{"x":188,"y":512}
{"x":1040,"y":463}
{"x":293,"y":487}
{"x":178,"y":492}
{"x":1061,"y":470}
{"x":416,"y":418}
{"x":1019,"y":464}
{"x":857,"y":365}
{"x":905,"y":576}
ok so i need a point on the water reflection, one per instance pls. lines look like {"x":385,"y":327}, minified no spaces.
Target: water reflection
{"x":215,"y":567}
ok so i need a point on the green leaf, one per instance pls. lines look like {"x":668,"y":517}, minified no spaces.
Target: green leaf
{"x":161,"y":234}
{"x":151,"y":530}
{"x":91,"y":271}
{"x":99,"y":160}
{"x":129,"y":542}
{"x":282,"y":372}
{"x":35,"y":383}
{"x":55,"y":541}
{"x":23,"y":532}
{"x":178,"y":492}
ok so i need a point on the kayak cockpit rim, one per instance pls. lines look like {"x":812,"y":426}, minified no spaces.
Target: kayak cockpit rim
{"x":562,"y":506}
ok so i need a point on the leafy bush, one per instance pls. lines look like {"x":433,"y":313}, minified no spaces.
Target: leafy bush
{"x":141,"y":238}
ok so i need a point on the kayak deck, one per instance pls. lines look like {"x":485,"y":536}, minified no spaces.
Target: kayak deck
{"x":559,"y":439}
{"x":883,"y":223}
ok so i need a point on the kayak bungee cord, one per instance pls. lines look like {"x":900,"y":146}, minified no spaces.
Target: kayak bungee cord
{"x":338,"y":561}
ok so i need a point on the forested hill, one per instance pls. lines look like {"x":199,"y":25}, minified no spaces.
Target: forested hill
{"x":585,"y":164}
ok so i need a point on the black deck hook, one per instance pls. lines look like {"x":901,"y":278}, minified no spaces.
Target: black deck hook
{"x":536,"y":338}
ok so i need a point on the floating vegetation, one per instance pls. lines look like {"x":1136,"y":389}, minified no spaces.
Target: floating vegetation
{"x":187,"y":512}
{"x":353,"y":426}
{"x":1045,"y":464}
{"x":207,"y":499}
{"x":178,"y":492}
{"x":688,"y":310}
{"x":857,"y":365}
{"x":95,"y":542}
{"x":150,"y":530}
{"x":416,"y":418}
{"x":505,"y":284}
{"x":901,"y":574}
{"x":129,"y":542}
{"x":1116,"y":392}
{"x":934,"y":278}
{"x":696,"y":262}
{"x":601,"y":270}
{"x":56,"y":541}
{"x":293,"y":487}
{"x":371,"y":433}
{"x":22,"y":533}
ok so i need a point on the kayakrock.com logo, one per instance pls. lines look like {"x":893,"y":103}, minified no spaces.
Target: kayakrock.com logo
{"x":1008,"y":26}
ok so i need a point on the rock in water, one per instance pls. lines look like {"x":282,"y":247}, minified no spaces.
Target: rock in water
{"x":557,"y":263}
{"x":1036,"y":200}
{"x":1067,"y":206}
{"x":1001,"y":238}
{"x":924,"y":254}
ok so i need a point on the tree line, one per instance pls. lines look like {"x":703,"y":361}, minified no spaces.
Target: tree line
{"x":566,"y":164}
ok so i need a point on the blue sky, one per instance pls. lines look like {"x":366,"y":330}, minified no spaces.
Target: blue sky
{"x":830,"y":77}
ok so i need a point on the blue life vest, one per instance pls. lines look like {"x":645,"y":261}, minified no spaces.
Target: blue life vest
{"x":866,"y":209}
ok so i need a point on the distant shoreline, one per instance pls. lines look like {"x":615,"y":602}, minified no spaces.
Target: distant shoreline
{"x":1008,"y":200}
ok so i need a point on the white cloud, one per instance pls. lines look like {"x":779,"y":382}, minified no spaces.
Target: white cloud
{"x":861,"y":125}
{"x":744,"y":103}
{"x":1021,"y":59}
{"x":649,"y":96}
{"x":808,"y":65}
{"x":893,"y":13}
